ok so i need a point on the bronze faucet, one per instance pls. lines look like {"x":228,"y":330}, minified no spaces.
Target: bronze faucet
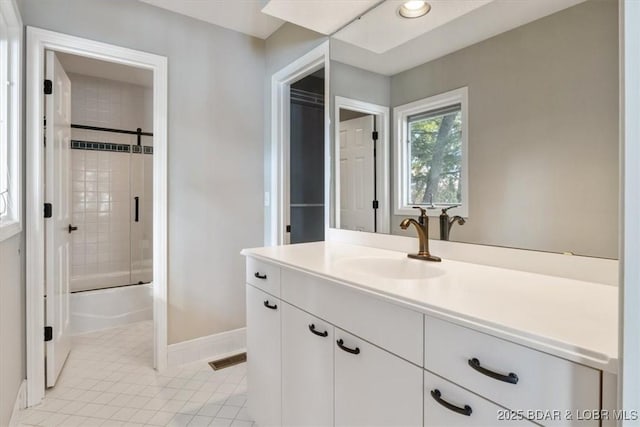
{"x":446,"y":223}
{"x":422,"y":226}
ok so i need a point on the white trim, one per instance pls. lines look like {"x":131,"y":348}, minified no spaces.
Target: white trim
{"x":20,"y":404}
{"x":382,"y":121}
{"x":37,"y":41}
{"x":208,"y":348}
{"x":11,"y":224}
{"x":280,"y":118}
{"x":400,"y":114}
{"x":629,"y":339}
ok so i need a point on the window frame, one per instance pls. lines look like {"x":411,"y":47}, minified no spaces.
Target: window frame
{"x":401,"y":115}
{"x":11,"y":105}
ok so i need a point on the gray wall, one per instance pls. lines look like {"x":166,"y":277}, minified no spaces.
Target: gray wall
{"x":216,"y":88}
{"x":284,"y":46}
{"x":543,"y":131}
{"x":12,"y":324}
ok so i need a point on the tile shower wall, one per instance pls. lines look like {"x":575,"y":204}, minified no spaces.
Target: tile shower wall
{"x":109,"y":248}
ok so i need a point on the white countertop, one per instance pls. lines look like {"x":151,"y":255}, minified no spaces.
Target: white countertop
{"x":573,"y":319}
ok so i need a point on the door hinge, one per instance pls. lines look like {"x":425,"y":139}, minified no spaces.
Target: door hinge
{"x":48,"y":333}
{"x":288,"y":229}
{"x":48,"y":210}
{"x":375,"y":204}
{"x":374,"y":135}
{"x":48,"y":87}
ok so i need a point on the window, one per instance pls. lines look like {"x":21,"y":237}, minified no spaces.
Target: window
{"x":431,"y":152}
{"x":10,"y":62}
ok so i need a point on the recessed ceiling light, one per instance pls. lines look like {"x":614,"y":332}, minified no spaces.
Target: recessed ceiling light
{"x":414,"y":9}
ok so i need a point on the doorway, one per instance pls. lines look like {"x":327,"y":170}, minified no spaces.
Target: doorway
{"x":111,"y":233}
{"x":99,"y":193}
{"x":278,"y":199}
{"x":361,"y":166}
{"x":306,"y":160}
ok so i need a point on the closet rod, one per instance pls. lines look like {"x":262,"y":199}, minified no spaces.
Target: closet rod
{"x":128,"y":132}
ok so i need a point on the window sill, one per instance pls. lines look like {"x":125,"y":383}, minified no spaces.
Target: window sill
{"x":9,"y":228}
{"x":432,"y":212}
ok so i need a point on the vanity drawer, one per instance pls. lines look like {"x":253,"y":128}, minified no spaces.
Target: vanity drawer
{"x":394,"y":328}
{"x":467,"y":409}
{"x":541,"y":381}
{"x":263,"y":276}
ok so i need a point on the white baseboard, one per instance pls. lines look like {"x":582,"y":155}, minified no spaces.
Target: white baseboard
{"x":207,"y":348}
{"x":20,"y":404}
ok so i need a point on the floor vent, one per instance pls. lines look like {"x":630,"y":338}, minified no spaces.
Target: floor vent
{"x":228,"y":361}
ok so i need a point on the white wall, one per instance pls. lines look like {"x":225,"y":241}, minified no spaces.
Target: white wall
{"x":12,"y":324}
{"x":215,"y":144}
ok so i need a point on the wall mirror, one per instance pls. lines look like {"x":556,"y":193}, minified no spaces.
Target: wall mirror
{"x":509,"y":125}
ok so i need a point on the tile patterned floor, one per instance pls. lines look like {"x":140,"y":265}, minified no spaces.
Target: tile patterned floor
{"x":108,"y":381}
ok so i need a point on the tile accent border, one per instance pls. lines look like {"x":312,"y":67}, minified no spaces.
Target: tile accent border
{"x":107,"y":146}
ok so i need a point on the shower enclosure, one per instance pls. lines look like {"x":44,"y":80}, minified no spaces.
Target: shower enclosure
{"x":112,"y":184}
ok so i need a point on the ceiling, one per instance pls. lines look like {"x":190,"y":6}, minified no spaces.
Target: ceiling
{"x":105,"y":70}
{"x":322,"y":16}
{"x":382,"y":28}
{"x":376,"y":37}
{"x":492,"y":18}
{"x":244,"y":16}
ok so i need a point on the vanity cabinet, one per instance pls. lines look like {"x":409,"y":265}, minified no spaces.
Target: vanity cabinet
{"x":509,"y":374}
{"x":307,"y":369}
{"x":373,"y":387}
{"x":263,"y":357}
{"x":323,"y":353}
{"x":446,"y":404}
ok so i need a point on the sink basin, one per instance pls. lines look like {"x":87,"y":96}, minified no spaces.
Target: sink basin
{"x":391,"y":268}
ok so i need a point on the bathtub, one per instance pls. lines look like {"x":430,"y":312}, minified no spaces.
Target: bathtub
{"x":107,"y":308}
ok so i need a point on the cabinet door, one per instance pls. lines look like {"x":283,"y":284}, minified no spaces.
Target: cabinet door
{"x":447,"y":405}
{"x":307,"y":369}
{"x":263,"y":357}
{"x":374,"y":387}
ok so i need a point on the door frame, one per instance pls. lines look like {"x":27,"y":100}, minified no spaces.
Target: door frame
{"x":382,"y":159}
{"x":629,"y":315}
{"x":281,"y":82}
{"x":39,"y":40}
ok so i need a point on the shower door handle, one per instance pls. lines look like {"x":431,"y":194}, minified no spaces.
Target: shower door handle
{"x":137,"y":208}
{"x":72,"y":228}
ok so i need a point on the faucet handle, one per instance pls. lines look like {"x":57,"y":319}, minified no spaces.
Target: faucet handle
{"x":423,"y":215}
{"x":444,"y":210}
{"x":423,"y":211}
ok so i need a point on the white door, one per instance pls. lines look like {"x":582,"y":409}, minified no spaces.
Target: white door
{"x":307,"y":369}
{"x":356,"y":174}
{"x":263,"y":357}
{"x":58,"y":228}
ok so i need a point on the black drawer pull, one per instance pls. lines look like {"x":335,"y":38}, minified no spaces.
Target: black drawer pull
{"x":511,"y":378}
{"x":347,"y":349}
{"x":260,"y":276}
{"x":437,"y":396}
{"x":312,"y":328}
{"x":272,"y":307}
